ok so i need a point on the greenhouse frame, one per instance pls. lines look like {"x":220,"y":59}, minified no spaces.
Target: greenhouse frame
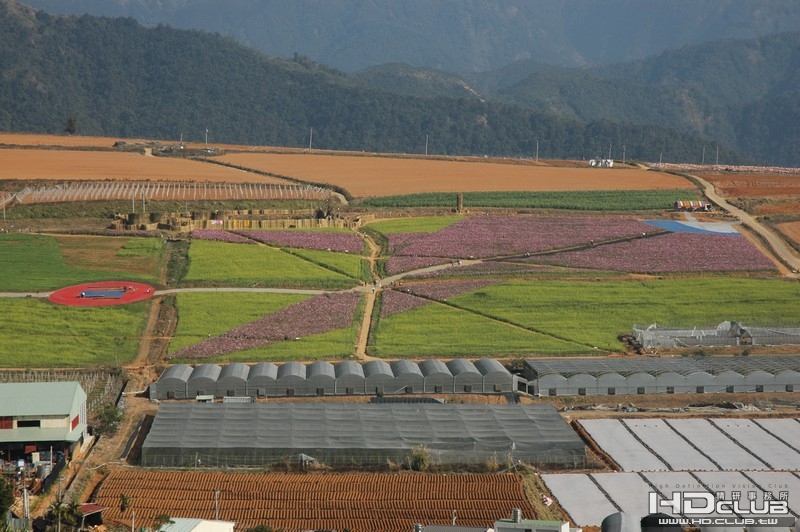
{"x":640,"y":375}
{"x":265,"y":434}
{"x":348,"y":377}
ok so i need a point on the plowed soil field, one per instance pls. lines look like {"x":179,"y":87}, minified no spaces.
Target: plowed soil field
{"x":314,"y":501}
{"x":782,"y":189}
{"x":791,"y":229}
{"x":386,"y":176}
{"x":75,"y":165}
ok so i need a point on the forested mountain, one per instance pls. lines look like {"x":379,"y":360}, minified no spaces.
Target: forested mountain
{"x":109,"y":76}
{"x":457,"y":35}
{"x":741,"y":93}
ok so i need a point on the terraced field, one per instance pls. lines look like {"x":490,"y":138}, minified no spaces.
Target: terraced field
{"x":314,"y":501}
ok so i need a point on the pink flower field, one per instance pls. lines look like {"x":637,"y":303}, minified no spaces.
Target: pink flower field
{"x":492,"y":236}
{"x":669,"y":253}
{"x":220,"y":235}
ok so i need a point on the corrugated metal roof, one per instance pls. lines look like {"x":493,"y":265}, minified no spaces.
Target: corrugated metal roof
{"x":40,"y":398}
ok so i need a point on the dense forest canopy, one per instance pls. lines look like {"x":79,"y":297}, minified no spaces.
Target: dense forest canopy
{"x":114,"y":77}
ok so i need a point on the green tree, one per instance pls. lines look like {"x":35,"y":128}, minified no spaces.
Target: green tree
{"x":108,"y":418}
{"x":6,"y":498}
{"x":70,"y":126}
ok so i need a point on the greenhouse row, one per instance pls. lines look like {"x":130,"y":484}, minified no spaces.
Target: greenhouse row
{"x":265,"y":434}
{"x":375,"y":377}
{"x":645,"y":375}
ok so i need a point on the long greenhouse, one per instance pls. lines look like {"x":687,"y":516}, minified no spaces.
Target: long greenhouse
{"x":641,"y":375}
{"x":264,"y":434}
{"x":348,"y":377}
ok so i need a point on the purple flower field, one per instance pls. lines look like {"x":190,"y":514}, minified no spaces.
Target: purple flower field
{"x":402,"y":263}
{"x":219,"y":235}
{"x":486,"y":269}
{"x":397,"y":242}
{"x":490,"y":236}
{"x":342,"y":242}
{"x":323,"y":313}
{"x":394,"y":301}
{"x":673,"y":252}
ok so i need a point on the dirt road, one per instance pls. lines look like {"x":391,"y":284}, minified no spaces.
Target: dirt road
{"x":777,"y":245}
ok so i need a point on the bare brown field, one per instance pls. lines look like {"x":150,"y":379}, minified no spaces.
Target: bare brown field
{"x":67,"y":141}
{"x":80,"y":141}
{"x":783,"y":189}
{"x":313,"y":501}
{"x":78,"y":165}
{"x":385,"y":176}
{"x":791,"y":230}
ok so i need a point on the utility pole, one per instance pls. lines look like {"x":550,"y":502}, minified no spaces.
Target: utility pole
{"x":623,"y":154}
{"x":310,"y":138}
{"x":426,"y":145}
{"x":206,"y":138}
{"x":537,"y":150}
{"x":703,"y":160}
{"x":609,"y":150}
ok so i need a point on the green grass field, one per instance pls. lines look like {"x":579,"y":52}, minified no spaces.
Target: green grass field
{"x":42,"y":262}
{"x":205,"y":314}
{"x":422,"y":224}
{"x":225,"y":264}
{"x":352,"y":266}
{"x":36,"y":334}
{"x":547,"y":317}
{"x":438,"y":330}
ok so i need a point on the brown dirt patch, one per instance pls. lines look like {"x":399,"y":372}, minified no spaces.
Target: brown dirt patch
{"x":99,"y":253}
{"x":791,"y":229}
{"x":383,"y":176}
{"x":313,"y":501}
{"x":747,"y":184}
{"x":77,"y":165}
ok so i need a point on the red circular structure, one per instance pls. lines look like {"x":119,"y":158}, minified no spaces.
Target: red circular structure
{"x":102,"y":294}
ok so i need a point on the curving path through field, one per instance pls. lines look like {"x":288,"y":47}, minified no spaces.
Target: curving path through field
{"x":777,"y":245}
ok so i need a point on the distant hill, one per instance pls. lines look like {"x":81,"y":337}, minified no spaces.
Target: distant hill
{"x":457,"y":35}
{"x":741,"y":93}
{"x":113,"y":77}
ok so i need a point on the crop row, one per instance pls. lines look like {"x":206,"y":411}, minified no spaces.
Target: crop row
{"x":322,"y":240}
{"x":673,"y":252}
{"x":220,"y":235}
{"x":360,"y":502}
{"x":316,"y":315}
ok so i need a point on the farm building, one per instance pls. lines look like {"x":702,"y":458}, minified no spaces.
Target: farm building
{"x":378,"y":377}
{"x":262,"y":379}
{"x":375,"y":377}
{"x":616,"y":376}
{"x":264,"y":434}
{"x":172,"y":384}
{"x":349,"y":378}
{"x":320,"y":378}
{"x":39,"y":416}
{"x":232,"y":380}
{"x":727,"y":333}
{"x":408,"y":377}
{"x":291,"y":379}
{"x":203,"y":380}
